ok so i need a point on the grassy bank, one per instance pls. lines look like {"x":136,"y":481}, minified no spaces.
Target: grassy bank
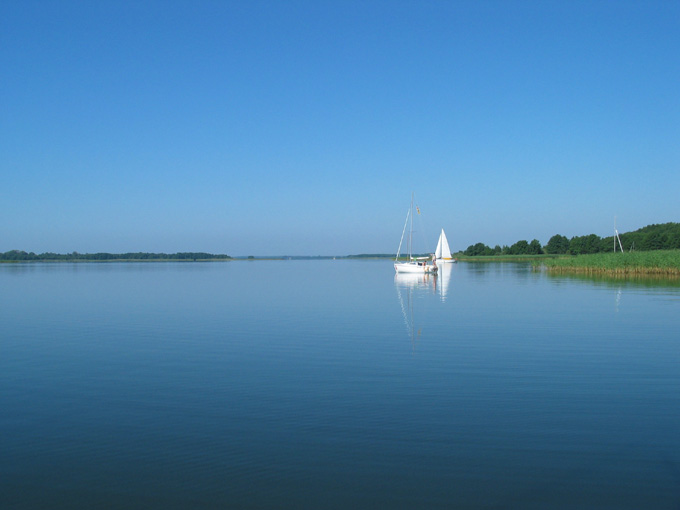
{"x":660,"y":262}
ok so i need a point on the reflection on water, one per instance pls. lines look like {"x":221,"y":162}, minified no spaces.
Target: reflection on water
{"x":444,"y":277}
{"x":655,"y":284}
{"x":406,"y":285}
{"x":646,"y":280}
{"x":410,"y":286}
{"x":414,"y":280}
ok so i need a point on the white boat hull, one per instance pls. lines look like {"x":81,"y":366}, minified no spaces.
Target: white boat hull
{"x":406,"y":267}
{"x":446,"y":261}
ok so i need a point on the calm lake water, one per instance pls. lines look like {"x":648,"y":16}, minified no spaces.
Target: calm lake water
{"x":335,"y":384}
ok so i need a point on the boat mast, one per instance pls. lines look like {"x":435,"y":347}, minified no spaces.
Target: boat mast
{"x":410,"y":234}
{"x":402,"y":235}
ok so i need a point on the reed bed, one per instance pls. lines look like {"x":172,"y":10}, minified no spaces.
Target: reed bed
{"x":660,"y":262}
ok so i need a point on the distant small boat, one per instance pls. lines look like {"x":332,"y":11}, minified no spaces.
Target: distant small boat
{"x":413,"y":264}
{"x":443,"y":252}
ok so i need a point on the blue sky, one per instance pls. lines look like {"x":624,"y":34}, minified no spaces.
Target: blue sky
{"x":302,"y":127}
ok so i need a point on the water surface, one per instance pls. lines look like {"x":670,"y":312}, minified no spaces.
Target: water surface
{"x":335,"y":384}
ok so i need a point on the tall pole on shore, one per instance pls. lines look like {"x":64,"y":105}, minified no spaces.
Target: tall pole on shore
{"x":616,"y":237}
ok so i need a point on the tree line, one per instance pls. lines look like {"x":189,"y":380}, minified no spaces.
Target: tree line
{"x":665,"y":236}
{"x":18,"y":255}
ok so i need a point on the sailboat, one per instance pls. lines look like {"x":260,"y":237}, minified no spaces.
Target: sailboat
{"x":443,"y":251}
{"x":413,"y":264}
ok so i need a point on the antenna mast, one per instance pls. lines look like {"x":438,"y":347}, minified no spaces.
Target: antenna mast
{"x":616,"y":237}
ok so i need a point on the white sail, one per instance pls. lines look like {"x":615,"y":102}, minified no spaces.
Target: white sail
{"x":443,"y":251}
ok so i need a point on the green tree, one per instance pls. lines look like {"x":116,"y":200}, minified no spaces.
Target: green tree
{"x":652,"y":241}
{"x":585,"y":244}
{"x":478,"y":249}
{"x":519,"y":248}
{"x":576,"y":245}
{"x":592,"y":243}
{"x":535,"y":247}
{"x":557,"y":245}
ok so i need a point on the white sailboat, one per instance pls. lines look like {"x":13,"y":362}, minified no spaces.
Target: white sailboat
{"x":443,"y":251}
{"x":413,"y":264}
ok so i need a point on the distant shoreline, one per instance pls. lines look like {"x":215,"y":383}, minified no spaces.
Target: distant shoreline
{"x":108,"y":261}
{"x":22,"y":256}
{"x":16,"y":256}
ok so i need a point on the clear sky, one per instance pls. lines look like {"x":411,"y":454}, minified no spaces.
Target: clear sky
{"x":302,"y":127}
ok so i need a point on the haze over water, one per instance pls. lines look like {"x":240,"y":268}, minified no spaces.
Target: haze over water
{"x":335,"y":384}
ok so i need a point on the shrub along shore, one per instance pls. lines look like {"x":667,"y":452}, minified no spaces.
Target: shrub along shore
{"x":658,"y":262}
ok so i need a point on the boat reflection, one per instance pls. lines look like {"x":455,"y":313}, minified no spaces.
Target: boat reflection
{"x":415,"y":280}
{"x":406,"y":285}
{"x":444,"y":278}
{"x":410,"y":287}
